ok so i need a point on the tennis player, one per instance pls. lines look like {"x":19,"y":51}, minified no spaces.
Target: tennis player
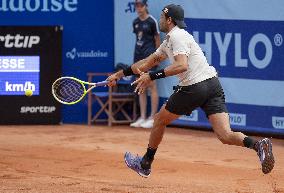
{"x":198,"y":87}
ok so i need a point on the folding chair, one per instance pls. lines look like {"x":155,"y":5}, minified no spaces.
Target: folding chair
{"x":112,"y":103}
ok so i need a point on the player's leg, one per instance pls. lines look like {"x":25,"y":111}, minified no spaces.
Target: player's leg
{"x":161,"y":120}
{"x":217,"y":114}
{"x":178,"y":104}
{"x":221,"y":126}
{"x":142,"y":165}
{"x":182,"y":102}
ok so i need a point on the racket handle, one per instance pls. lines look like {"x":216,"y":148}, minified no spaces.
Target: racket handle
{"x":103,"y":83}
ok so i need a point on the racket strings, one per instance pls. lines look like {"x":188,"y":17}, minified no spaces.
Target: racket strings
{"x":68,"y":90}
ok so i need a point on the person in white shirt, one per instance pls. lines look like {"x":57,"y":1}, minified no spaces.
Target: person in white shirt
{"x":198,"y":87}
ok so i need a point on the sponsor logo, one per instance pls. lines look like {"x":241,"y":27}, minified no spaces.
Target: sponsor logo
{"x":192,"y":117}
{"x":19,"y":41}
{"x":127,"y":78}
{"x":238,"y":119}
{"x":38,"y":5}
{"x":86,"y":54}
{"x":130,"y":7}
{"x":237,"y":45}
{"x":9,"y":87}
{"x":236,"y":39}
{"x":166,"y":10}
{"x":278,"y":122}
{"x":38,"y":109}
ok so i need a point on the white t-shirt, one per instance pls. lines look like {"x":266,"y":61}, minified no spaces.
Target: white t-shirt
{"x":179,"y":41}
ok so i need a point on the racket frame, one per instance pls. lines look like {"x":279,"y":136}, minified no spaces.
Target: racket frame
{"x":83,"y":83}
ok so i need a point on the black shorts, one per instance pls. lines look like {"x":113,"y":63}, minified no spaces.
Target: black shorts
{"x":208,"y":95}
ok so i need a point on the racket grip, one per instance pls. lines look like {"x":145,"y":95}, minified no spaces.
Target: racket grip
{"x":103,"y":83}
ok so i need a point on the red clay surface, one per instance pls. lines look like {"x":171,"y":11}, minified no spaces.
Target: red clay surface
{"x":74,"y":158}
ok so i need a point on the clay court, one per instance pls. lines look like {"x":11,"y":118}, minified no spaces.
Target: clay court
{"x":83,"y":159}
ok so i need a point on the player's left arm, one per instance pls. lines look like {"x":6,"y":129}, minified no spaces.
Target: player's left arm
{"x":179,"y":65}
{"x":137,"y":68}
{"x":148,"y":63}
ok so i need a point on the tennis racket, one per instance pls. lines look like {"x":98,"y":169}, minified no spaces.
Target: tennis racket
{"x":70,"y":90}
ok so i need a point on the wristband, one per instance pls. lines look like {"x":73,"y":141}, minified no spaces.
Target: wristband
{"x":128,"y":71}
{"x":157,"y":74}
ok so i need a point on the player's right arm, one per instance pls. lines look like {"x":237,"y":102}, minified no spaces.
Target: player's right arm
{"x":152,"y":60}
{"x":140,"y":66}
{"x":146,"y":64}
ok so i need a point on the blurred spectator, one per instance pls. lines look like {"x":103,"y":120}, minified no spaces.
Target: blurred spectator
{"x":146,"y":29}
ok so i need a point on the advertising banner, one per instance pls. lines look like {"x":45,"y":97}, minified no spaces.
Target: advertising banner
{"x":87,"y":41}
{"x":30,"y":59}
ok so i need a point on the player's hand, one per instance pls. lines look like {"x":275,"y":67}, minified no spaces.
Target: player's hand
{"x":112,"y":79}
{"x":142,"y":82}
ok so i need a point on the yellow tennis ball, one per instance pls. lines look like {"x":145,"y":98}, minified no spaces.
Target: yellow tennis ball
{"x":28,"y":92}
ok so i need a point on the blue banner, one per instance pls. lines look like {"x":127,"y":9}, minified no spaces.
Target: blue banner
{"x":253,"y":52}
